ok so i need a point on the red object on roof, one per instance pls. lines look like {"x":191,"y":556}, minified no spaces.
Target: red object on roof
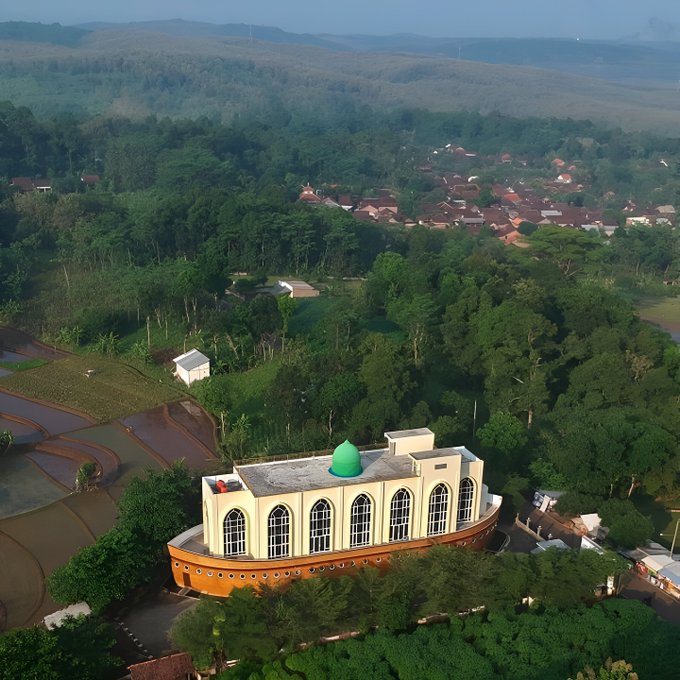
{"x":221,"y":486}
{"x":173,"y":667}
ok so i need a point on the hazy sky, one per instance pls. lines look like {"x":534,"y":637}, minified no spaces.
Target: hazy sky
{"x":573,"y":18}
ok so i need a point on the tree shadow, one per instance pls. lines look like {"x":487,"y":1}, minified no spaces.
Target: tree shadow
{"x":656,"y":511}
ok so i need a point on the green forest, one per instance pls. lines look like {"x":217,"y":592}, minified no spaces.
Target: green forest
{"x":534,"y":357}
{"x":415,"y":328}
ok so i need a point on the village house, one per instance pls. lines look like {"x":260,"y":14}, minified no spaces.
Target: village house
{"x":90,"y":181}
{"x":191,"y":366}
{"x":309,"y":195}
{"x":295,"y":289}
{"x":28,"y":184}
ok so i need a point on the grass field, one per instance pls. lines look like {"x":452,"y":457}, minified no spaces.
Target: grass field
{"x":663,"y":312}
{"x":114,"y":389}
{"x":660,"y":310}
{"x":308,"y":313}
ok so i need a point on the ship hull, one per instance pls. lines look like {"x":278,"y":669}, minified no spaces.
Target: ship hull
{"x":218,"y":576}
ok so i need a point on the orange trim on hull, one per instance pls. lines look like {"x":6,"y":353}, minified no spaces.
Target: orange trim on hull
{"x":219,"y":576}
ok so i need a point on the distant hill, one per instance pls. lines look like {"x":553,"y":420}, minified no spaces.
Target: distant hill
{"x":608,"y":60}
{"x":197,"y":29}
{"x":136,"y":73}
{"x":53,"y":34}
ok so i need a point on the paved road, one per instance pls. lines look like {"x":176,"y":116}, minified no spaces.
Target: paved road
{"x":150,"y":621}
{"x":637,"y":587}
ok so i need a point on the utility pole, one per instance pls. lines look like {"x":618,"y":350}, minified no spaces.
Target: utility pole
{"x":675,"y":535}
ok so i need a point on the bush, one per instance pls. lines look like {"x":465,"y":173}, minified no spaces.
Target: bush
{"x":85,"y":477}
{"x":80,"y":648}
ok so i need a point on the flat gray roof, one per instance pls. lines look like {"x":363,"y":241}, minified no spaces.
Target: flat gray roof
{"x":436,"y":453}
{"x":398,"y":434}
{"x":190,"y":360}
{"x":308,"y":474}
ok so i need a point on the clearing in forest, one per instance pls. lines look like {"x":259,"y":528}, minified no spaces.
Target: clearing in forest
{"x":661,"y":311}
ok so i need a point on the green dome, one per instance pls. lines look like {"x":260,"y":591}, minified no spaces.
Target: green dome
{"x":346,"y":461}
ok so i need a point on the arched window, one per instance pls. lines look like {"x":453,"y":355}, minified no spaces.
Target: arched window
{"x":438,"y":510}
{"x":400,"y":514}
{"x":320,"y":527}
{"x":360,"y":522}
{"x":279,"y":532}
{"x":465,"y":497}
{"x":234,"y":533}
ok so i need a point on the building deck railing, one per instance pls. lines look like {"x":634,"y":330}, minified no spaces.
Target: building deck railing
{"x":297,"y":456}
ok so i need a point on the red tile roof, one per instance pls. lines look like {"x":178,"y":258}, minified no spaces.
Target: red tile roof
{"x":173,"y":667}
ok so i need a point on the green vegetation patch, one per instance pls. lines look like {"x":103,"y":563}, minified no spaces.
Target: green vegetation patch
{"x":112,"y":390}
{"x":248,"y":390}
{"x":23,"y":365}
{"x":308,"y":313}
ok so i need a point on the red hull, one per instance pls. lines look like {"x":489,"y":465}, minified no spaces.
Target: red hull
{"x":219,"y":576}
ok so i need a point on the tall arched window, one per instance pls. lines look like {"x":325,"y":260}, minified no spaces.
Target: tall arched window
{"x":234,"y":533}
{"x":400,"y":515}
{"x":279,"y":532}
{"x":438,"y":510}
{"x":320,"y":527}
{"x":465,"y":497}
{"x":360,"y":522}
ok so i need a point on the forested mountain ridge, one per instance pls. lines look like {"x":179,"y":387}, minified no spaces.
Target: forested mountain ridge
{"x":54,"y":34}
{"x":608,"y":60}
{"x":138,"y":74}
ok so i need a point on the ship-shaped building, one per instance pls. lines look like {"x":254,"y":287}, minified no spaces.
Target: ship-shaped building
{"x":273,"y":521}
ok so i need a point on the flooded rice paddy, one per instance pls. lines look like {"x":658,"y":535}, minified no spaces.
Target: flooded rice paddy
{"x":13,"y":340}
{"x":12,"y":357}
{"x":42,"y":522}
{"x":50,"y":418}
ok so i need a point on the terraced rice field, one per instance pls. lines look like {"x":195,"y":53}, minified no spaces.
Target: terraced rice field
{"x":167,"y":438}
{"x":61,"y":469}
{"x":112,"y":390}
{"x":24,"y":432}
{"x":41,"y":522}
{"x":134,"y":460}
{"x":16,"y":341}
{"x":23,"y":488}
{"x":195,"y":420}
{"x":52,"y":419}
{"x":40,"y":541}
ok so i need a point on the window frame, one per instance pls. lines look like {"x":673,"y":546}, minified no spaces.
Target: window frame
{"x":400,"y":516}
{"x":360,"y":521}
{"x":466,"y":497}
{"x":320,"y":527}
{"x":438,"y":509}
{"x":278,"y":532}
{"x":234,"y":535}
